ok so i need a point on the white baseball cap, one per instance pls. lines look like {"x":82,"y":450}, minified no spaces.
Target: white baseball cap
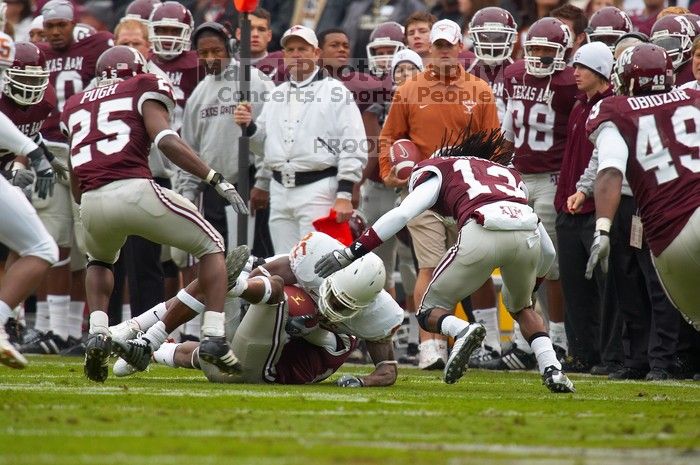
{"x":597,"y":57}
{"x":446,"y":29}
{"x":303,"y":32}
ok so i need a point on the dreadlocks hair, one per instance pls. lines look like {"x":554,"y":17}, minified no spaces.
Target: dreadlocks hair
{"x":489,"y":145}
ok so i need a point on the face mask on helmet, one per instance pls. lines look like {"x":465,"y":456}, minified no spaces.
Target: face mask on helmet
{"x":543,"y":58}
{"x":26,"y":86}
{"x":169,"y":37}
{"x":609,"y":38}
{"x":677,"y":47}
{"x":492,"y":44}
{"x":380,"y":53}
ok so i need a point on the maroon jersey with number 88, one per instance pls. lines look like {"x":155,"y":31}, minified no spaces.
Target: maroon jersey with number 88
{"x":106,"y":130}
{"x":662,"y":132}
{"x":469,"y":183}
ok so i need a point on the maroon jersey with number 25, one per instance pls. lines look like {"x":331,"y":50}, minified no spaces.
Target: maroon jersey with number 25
{"x":662,"y":133}
{"x":476,"y":188}
{"x":106,"y":130}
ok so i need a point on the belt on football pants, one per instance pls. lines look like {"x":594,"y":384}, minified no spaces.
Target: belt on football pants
{"x":301,"y":178}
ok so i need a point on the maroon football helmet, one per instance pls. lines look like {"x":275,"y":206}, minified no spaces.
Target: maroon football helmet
{"x":607,"y":25}
{"x":119,"y":62}
{"x":643,"y":69}
{"x":170,"y":16}
{"x":27,"y":78}
{"x":493,"y":32}
{"x":695,"y":21}
{"x":547,"y":33}
{"x":140,"y":10}
{"x":389,"y":34}
{"x":357,"y":225}
{"x":675,"y":34}
{"x":82,"y":30}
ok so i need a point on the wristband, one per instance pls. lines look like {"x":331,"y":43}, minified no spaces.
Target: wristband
{"x":213,"y":178}
{"x":603,"y":224}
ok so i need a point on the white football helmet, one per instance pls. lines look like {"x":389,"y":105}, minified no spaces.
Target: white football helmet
{"x":346,"y":292}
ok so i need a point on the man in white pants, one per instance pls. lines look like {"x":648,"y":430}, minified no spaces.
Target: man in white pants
{"x":313,"y":140}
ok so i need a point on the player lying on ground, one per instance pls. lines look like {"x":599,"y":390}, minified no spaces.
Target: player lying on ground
{"x":497,"y":229}
{"x":352,"y":303}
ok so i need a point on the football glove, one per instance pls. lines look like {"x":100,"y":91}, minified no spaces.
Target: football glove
{"x":22,"y":177}
{"x":45,"y":180}
{"x":226,"y":190}
{"x":58,"y":166}
{"x":296,"y":325}
{"x":333,"y":261}
{"x":600,"y":251}
{"x":349,"y":381}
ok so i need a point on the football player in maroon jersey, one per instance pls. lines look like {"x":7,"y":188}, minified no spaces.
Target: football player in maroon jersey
{"x":675,"y":34}
{"x":110,"y":129}
{"x":651,"y":134}
{"x":497,"y":229}
{"x":71,"y":66}
{"x":607,"y":25}
{"x":541,"y":91}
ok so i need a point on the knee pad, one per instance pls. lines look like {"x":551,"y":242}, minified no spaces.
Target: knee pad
{"x":422,"y":317}
{"x":109,"y":266}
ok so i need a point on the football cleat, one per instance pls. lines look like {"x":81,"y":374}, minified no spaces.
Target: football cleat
{"x":627,"y":373}
{"x":74,"y":348}
{"x":31,"y":335}
{"x":465,"y":343}
{"x":47,"y":344}
{"x":556,"y":380}
{"x":482,"y":355}
{"x":126,"y":330}
{"x":215,"y":350}
{"x":14,"y":330}
{"x":429,"y":356}
{"x":512,"y":359}
{"x":8,"y":354}
{"x":97,"y":350}
{"x":236,"y":260}
{"x":122,"y":368}
{"x":136,"y":352}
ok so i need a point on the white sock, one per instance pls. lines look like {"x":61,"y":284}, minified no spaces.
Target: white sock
{"x":194,"y":326}
{"x":5,"y":313}
{"x":238,"y":288}
{"x":452,"y":326}
{"x":150,"y":317}
{"x":213,"y":324}
{"x":489,"y":318}
{"x":441,"y":348}
{"x":126,"y":312}
{"x":558,"y":334}
{"x":42,"y":316}
{"x":99,"y":322}
{"x":75,"y":319}
{"x":59,"y":306}
{"x":519,"y":340}
{"x":156,"y":335}
{"x":542,"y":347}
{"x":165,"y":355}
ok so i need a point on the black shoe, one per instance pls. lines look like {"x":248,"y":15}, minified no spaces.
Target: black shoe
{"x":188,"y":337}
{"x":627,"y":373}
{"x":30,"y":335}
{"x":658,"y":374}
{"x":215,"y":350}
{"x":97,"y":350}
{"x":482,"y":355}
{"x":604,"y":369}
{"x":560,"y":351}
{"x":574,"y":365}
{"x":74,"y":348}
{"x":696,"y":377}
{"x":47,"y":344}
{"x":14,"y":331}
{"x":556,"y":380}
{"x":512,"y":359}
{"x":136,"y":352}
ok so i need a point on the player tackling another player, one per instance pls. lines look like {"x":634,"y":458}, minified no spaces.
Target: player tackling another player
{"x":497,"y":229}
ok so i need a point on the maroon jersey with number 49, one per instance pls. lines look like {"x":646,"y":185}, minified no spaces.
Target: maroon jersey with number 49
{"x":662,"y":133}
{"x":70,"y":71}
{"x":539,"y":109}
{"x":27,"y":118}
{"x":467,"y":184}
{"x":106,"y":130}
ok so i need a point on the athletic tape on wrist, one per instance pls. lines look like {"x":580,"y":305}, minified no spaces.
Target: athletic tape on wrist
{"x":163,"y":133}
{"x":603,"y":224}
{"x":187,"y":299}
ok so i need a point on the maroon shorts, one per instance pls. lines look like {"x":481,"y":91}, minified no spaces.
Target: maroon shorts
{"x":304,"y":363}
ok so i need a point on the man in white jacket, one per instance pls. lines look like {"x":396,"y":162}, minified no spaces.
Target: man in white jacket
{"x":314,"y":142}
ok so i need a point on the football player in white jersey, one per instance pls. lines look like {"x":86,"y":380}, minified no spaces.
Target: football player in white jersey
{"x":20,"y":228}
{"x":350,"y":303}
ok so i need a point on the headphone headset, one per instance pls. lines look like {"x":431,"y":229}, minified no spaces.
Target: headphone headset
{"x":218,"y":29}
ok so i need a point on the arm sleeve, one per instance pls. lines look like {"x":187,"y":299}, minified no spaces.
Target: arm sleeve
{"x":547,"y":252}
{"x":12,"y":139}
{"x":611,"y":147}
{"x":353,"y":153}
{"x":587,"y":181}
{"x":419,"y":200}
{"x":395,"y":127}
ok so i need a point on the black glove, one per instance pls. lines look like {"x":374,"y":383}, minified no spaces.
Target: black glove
{"x":349,"y":381}
{"x":45,"y":180}
{"x":296,"y":325}
{"x":333,"y":261}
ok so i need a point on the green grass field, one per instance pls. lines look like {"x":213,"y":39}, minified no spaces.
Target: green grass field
{"x":51,"y":414}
